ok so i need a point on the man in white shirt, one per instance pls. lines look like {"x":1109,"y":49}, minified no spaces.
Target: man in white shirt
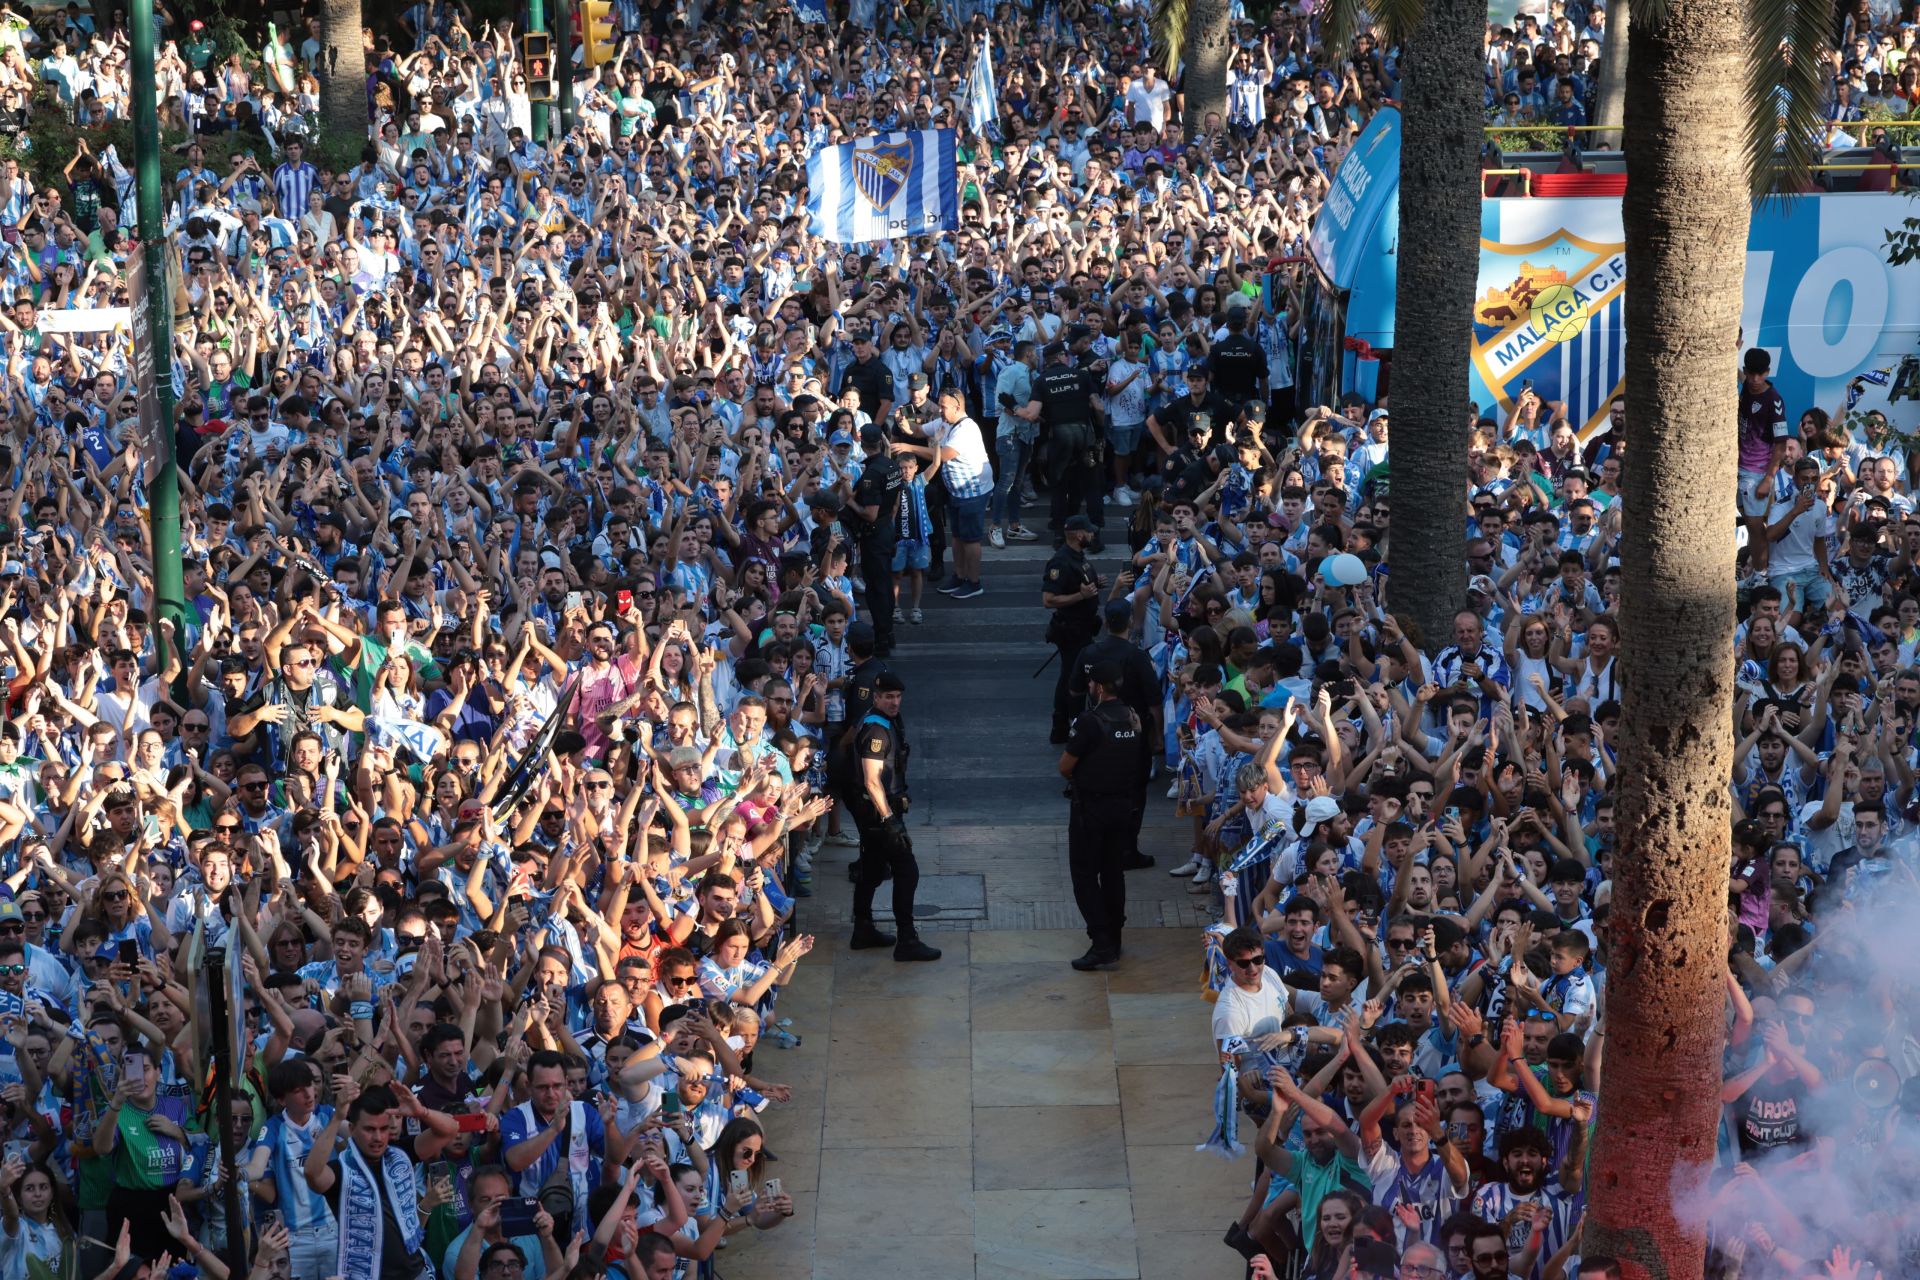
{"x":1147,"y":99}
{"x":1252,"y":1007}
{"x":960,"y":451}
{"x":1127,"y":382}
{"x":1802,"y":533}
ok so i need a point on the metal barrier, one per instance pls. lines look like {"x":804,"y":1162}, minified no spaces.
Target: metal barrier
{"x":1525,"y":176}
{"x":1547,"y":126}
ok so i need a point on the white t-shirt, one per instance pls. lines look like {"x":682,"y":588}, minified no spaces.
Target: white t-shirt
{"x":1250,"y":1014}
{"x":1128,"y":405}
{"x":1794,"y":552}
{"x":1149,"y":102}
{"x":969,"y":474}
{"x":273,"y":439}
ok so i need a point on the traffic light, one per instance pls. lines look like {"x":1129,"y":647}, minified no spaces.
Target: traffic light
{"x":600,"y":35}
{"x":536,"y":55}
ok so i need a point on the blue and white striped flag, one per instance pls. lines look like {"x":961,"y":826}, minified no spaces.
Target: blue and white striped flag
{"x":814,"y":11}
{"x":983,"y":98}
{"x":884,"y":187}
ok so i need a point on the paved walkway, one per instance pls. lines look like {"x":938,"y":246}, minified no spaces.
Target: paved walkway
{"x":996,"y":1115}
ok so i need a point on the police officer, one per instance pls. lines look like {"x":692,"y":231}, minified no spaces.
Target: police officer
{"x":843,"y":774}
{"x":1139,"y":683}
{"x":1106,"y":764}
{"x":1069,"y":589}
{"x":880,"y":809}
{"x":1239,"y":365}
{"x":1070,"y":451}
{"x":1139,"y":690}
{"x":868,"y":516}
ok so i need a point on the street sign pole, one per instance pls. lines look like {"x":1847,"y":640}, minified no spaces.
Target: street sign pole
{"x":537,"y":21}
{"x":563,"y":62}
{"x":152,"y":306}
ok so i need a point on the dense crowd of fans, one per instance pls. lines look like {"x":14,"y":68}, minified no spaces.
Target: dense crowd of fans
{"x":537,"y":562}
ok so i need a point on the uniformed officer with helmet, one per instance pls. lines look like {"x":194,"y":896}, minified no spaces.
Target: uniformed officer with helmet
{"x":1106,"y":763}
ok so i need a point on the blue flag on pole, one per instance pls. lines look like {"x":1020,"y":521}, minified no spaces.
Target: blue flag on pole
{"x":814,"y":11}
{"x":983,"y":99}
{"x":884,"y":187}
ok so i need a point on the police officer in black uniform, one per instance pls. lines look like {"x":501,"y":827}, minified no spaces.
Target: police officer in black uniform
{"x":1139,"y":682}
{"x":1139,"y":690}
{"x":1106,"y":763}
{"x":1070,"y":589}
{"x":868,"y":517}
{"x":1070,"y":447}
{"x":880,"y":809}
{"x":1239,"y":365}
{"x":1173,"y":422}
{"x":843,"y":774}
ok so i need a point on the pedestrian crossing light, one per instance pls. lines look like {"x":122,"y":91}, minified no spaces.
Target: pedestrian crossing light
{"x":536,"y":55}
{"x":600,"y":38}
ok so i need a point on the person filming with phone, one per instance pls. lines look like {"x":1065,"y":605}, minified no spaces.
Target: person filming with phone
{"x":144,"y":1135}
{"x":552,"y":1139}
{"x":503,"y":1225}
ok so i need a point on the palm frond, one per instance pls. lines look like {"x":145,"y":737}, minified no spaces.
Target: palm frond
{"x":1398,"y":17}
{"x":1651,"y":12}
{"x":1786,"y":92}
{"x":1339,"y":20}
{"x":1167,"y":32}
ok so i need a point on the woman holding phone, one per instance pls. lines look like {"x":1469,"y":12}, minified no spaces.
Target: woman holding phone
{"x":144,"y":1134}
{"x":737,"y":1163}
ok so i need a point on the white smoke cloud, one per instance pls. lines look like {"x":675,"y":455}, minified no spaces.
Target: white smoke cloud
{"x":1853,"y":1180}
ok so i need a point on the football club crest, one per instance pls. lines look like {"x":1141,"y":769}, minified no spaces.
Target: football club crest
{"x":880,"y":169}
{"x":1546,"y":317}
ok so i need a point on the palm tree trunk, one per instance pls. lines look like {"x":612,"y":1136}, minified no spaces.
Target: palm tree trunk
{"x":1685,"y":205}
{"x":1208,"y":45}
{"x":1610,"y":99}
{"x":1439,"y":252}
{"x":343,"y":82}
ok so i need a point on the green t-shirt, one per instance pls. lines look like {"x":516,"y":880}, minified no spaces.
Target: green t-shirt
{"x":373,"y":656}
{"x":96,"y":1183}
{"x":142,"y":1159}
{"x":1317,"y":1181}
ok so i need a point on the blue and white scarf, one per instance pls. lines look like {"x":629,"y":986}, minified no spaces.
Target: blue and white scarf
{"x":361,"y":1231}
{"x":1262,"y":847}
{"x":1224,"y":1141}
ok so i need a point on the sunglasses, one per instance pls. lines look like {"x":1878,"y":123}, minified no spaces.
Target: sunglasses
{"x":9,"y":970}
{"x":115,"y":895}
{"x":1249,"y":962}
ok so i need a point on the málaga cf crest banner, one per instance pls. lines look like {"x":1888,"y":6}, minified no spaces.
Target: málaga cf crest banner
{"x":884,"y":187}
